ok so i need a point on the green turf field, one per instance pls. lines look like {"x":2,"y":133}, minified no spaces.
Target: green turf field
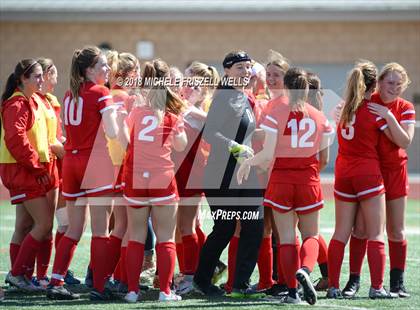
{"x":15,"y":300}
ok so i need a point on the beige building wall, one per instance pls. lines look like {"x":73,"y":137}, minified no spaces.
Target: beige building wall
{"x":181,"y":42}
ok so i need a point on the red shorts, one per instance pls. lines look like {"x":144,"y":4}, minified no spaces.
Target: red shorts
{"x":85,"y":176}
{"x":22,"y":185}
{"x":53,"y":172}
{"x":60,"y":172}
{"x":357,"y":188}
{"x":396,"y":182}
{"x":150,"y":187}
{"x":189,"y":183}
{"x":300,"y":198}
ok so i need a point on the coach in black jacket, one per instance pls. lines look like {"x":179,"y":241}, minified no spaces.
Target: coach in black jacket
{"x":229,"y":128}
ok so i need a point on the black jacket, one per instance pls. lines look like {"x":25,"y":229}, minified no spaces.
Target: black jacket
{"x":230,"y":117}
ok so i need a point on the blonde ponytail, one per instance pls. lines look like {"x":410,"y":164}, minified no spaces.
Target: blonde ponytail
{"x":361,"y":79}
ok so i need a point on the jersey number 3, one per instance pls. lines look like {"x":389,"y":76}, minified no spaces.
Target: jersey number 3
{"x":348,"y":132}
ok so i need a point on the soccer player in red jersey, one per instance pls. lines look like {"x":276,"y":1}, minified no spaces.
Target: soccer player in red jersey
{"x":24,"y":167}
{"x":57,"y":150}
{"x":125,"y":73}
{"x":400,"y":117}
{"x":276,"y":68}
{"x":190,"y":166}
{"x":87,"y":169}
{"x":50,"y":81}
{"x":358,"y":180}
{"x":150,"y":188}
{"x":315,"y":99}
{"x":296,"y":133}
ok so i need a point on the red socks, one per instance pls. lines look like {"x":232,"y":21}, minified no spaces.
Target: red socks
{"x":180,"y":256}
{"x":201,"y":237}
{"x":323,"y":251}
{"x":13,"y":252}
{"x":232,"y":250}
{"x":191,"y":252}
{"x":26,"y":256}
{"x":298,"y":249}
{"x":123,"y":265}
{"x":63,"y":257}
{"x":335,"y":260}
{"x":358,"y":249}
{"x":309,"y":253}
{"x":265,"y":264}
{"x":43,"y":258}
{"x":114,"y":253}
{"x":165,"y":254}
{"x":100,"y":256}
{"x":289,"y":263}
{"x":397,"y":254}
{"x":58,"y":236}
{"x":280,"y":276}
{"x":134,"y":263}
{"x":376,"y":260}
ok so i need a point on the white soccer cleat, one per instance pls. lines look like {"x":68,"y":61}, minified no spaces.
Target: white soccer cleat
{"x":131,"y":297}
{"x":169,"y":297}
{"x":185,"y":286}
{"x":19,"y":282}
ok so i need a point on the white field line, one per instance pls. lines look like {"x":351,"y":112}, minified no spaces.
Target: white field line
{"x":329,"y":306}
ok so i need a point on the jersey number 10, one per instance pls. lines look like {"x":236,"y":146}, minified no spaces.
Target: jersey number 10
{"x":70,"y":118}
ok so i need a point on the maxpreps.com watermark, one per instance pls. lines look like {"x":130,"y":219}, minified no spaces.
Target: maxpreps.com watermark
{"x":229,"y":215}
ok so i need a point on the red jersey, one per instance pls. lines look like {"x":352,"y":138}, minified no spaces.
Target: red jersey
{"x":82,"y":120}
{"x":357,"y":144}
{"x":197,"y":150}
{"x":259,"y":108}
{"x":150,"y":140}
{"x":391,"y":156}
{"x":299,"y":136}
{"x":120,"y":98}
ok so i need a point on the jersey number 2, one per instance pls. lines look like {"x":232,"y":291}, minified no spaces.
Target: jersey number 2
{"x":152,"y":123}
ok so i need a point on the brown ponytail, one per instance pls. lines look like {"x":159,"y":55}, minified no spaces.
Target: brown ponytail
{"x":295,"y":80}
{"x":315,"y":91}
{"x":82,"y":59}
{"x":361,"y":79}
{"x":161,"y":98}
{"x":24,"y":68}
